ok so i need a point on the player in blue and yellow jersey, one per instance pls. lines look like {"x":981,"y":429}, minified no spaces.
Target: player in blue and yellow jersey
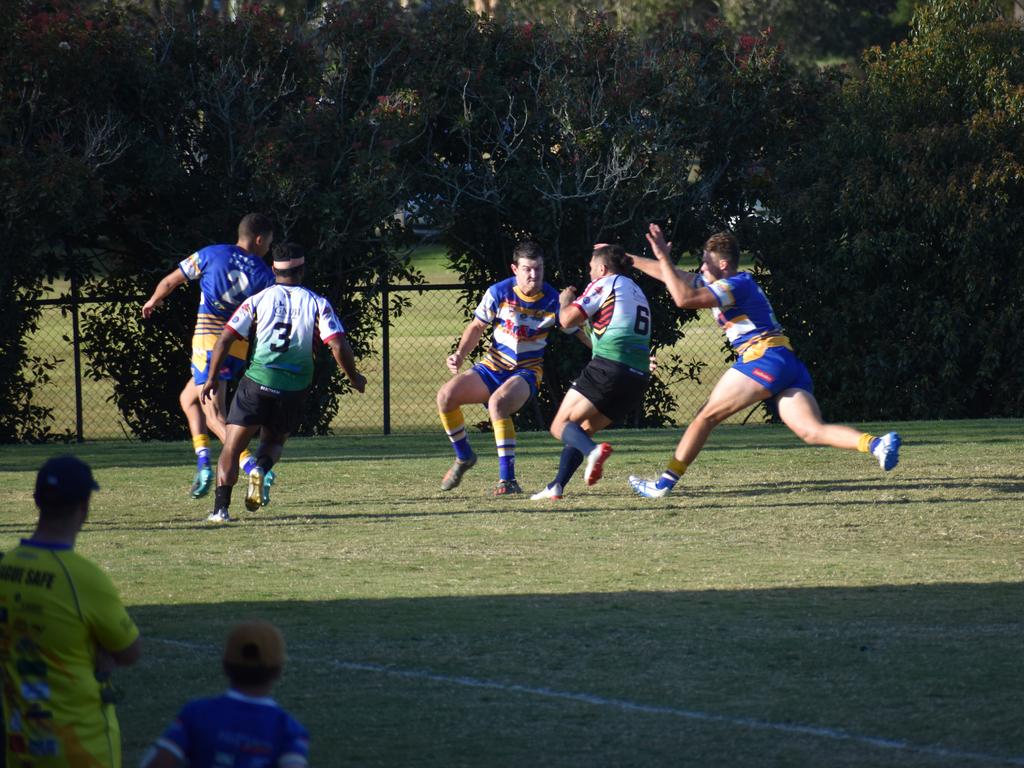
{"x":522,"y":310}
{"x":286,"y":319}
{"x":227,"y":276}
{"x":615,"y":379}
{"x":63,"y":629}
{"x":766,"y":366}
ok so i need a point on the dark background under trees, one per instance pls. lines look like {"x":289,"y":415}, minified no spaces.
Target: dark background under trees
{"x":881,"y":200}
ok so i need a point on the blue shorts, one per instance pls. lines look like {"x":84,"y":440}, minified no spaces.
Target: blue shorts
{"x":494,"y":379}
{"x":229,"y":371}
{"x":776,"y":370}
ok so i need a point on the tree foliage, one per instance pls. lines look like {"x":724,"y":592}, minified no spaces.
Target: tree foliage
{"x":898,"y":258}
{"x":135,"y":144}
{"x":583,"y":135}
{"x":886,"y":205}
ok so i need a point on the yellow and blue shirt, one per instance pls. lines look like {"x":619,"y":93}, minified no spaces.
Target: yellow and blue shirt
{"x":227,"y":276}
{"x":744,"y":312}
{"x":56,"y":608}
{"x":521,"y":326}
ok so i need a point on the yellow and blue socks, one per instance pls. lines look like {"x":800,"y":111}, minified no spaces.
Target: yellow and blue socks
{"x":672,"y":473}
{"x":247,"y":462}
{"x":455,"y":427}
{"x":201,"y":445}
{"x":867,"y":443}
{"x":505,"y":440}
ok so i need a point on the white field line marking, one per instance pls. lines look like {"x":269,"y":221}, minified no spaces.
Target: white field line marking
{"x":630,"y":706}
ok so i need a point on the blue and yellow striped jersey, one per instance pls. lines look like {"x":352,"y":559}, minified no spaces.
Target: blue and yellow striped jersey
{"x":521,"y":325}
{"x":744,"y":312}
{"x":227,"y":276}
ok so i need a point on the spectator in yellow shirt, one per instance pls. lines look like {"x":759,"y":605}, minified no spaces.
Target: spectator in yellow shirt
{"x":62,"y":631}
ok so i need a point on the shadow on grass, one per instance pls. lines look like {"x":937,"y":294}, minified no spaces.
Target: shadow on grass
{"x":876,"y":676}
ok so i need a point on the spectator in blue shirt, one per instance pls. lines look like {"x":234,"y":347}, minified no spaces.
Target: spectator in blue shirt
{"x":244,"y":727}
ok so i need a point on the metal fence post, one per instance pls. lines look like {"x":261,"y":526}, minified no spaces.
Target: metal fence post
{"x":385,"y":339}
{"x":76,"y":341}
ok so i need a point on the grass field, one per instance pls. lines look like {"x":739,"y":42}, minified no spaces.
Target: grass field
{"x":792,"y":606}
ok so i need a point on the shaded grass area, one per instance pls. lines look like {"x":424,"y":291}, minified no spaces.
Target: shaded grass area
{"x":789,"y":606}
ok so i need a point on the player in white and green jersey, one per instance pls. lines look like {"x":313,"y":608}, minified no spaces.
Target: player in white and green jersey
{"x":285,"y":320}
{"x":614,"y":381}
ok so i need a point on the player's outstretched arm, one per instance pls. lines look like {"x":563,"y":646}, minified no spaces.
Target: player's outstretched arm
{"x":681,"y":285}
{"x":470,"y":338}
{"x":652,"y":268}
{"x":163,"y":289}
{"x":649,"y":267}
{"x":346,"y":360}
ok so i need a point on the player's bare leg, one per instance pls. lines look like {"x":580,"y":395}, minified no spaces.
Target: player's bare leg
{"x":214,"y":410}
{"x":188,"y":399}
{"x":733,"y":392}
{"x":463,"y":389}
{"x":236,"y":439}
{"x":799,"y":411}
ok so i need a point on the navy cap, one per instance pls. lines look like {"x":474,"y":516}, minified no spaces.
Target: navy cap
{"x":64,"y":480}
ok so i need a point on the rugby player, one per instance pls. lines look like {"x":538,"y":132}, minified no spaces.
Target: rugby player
{"x":522,"y":310}
{"x":227,"y":276}
{"x":285,"y":320}
{"x":614,"y":381}
{"x":766,"y":366}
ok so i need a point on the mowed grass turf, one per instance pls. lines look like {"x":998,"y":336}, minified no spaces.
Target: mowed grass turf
{"x":789,"y":606}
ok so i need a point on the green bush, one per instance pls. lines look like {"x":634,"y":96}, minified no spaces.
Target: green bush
{"x":897,"y":261}
{"x":582,"y":135}
{"x":887,"y":207}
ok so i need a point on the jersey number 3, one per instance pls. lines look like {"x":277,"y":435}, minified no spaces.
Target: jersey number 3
{"x":283,"y":337}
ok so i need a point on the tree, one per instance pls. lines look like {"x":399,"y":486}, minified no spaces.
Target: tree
{"x":584,"y":134}
{"x":897,"y":257}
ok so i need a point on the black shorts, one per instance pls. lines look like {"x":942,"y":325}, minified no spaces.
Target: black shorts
{"x":255,"y":405}
{"x":614,"y":389}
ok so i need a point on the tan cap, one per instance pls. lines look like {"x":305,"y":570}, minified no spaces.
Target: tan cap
{"x":255,"y":643}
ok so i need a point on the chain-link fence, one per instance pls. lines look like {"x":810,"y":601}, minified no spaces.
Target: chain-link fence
{"x":404,"y":373}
